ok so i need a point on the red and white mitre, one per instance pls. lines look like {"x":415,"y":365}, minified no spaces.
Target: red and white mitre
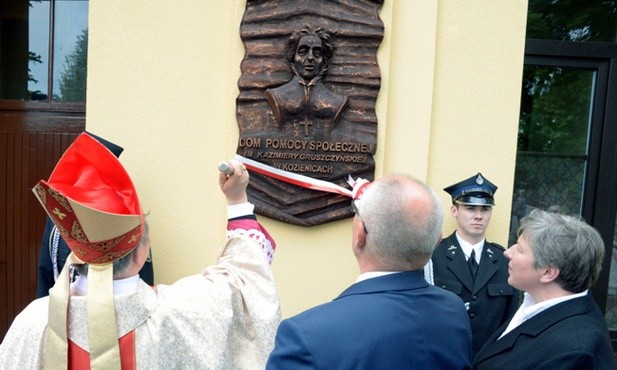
{"x":93,"y":203}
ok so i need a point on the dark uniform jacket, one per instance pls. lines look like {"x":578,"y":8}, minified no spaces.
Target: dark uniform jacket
{"x":491,"y":300}
{"x":569,"y":335}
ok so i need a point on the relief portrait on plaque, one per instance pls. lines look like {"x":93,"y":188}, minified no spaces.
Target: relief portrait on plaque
{"x":305,"y":99}
{"x":306,"y":104}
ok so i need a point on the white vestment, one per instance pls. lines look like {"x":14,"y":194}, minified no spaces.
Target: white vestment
{"x":224,"y":318}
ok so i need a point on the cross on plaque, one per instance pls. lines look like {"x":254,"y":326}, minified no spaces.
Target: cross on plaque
{"x":306,"y":125}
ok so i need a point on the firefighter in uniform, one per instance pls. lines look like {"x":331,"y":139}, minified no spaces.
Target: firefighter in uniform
{"x":468,"y":265}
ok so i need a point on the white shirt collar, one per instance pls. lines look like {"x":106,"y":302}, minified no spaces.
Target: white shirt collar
{"x":121,"y":287}
{"x":468,"y":247}
{"x":373,"y":274}
{"x":529,"y":308}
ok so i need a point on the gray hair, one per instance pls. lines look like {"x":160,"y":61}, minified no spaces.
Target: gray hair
{"x":567,"y":243}
{"x":403,"y":217}
{"x":122,"y":264}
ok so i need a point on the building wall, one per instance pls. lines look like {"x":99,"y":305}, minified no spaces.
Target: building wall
{"x":162,"y":82}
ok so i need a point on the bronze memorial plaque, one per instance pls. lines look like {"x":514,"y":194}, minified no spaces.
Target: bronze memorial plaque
{"x":308,"y":88}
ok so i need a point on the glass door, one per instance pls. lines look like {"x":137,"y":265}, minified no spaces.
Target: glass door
{"x":553,"y":141}
{"x":567,"y":144}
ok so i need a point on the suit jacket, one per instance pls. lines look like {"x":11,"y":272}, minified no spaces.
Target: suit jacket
{"x":569,"y":335}
{"x":490,"y":299}
{"x":391,"y":322}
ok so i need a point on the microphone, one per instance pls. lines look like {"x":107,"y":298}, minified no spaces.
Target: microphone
{"x":226,"y":169}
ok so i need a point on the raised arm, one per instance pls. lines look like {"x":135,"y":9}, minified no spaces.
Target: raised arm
{"x":241,"y":219}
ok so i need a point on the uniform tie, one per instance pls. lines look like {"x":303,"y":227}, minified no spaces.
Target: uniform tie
{"x":473,"y":265}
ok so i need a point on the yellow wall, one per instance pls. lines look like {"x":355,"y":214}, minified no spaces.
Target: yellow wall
{"x":162,"y":82}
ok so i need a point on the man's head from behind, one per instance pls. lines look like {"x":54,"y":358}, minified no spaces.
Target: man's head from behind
{"x":130,"y":264}
{"x":403,"y":219}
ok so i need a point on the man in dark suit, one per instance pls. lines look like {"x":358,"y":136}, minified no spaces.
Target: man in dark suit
{"x":391,"y":318}
{"x":468,"y":265}
{"x":555,"y":261}
{"x":54,"y":250}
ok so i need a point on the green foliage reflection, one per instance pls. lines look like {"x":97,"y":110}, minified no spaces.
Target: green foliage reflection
{"x":572,"y":20}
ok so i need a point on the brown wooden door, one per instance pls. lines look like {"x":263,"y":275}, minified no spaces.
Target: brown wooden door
{"x":33,"y":136}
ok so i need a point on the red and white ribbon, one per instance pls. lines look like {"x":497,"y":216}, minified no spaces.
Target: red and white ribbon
{"x":357,"y":185}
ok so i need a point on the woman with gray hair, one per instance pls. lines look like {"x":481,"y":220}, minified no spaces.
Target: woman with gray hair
{"x":555,"y":261}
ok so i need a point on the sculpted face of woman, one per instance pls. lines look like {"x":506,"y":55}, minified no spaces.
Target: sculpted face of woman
{"x":309,"y":60}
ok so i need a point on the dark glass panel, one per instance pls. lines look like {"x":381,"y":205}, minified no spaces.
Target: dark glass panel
{"x":24,"y":40}
{"x":553,"y":138}
{"x":70,"y":50}
{"x":555,"y":110}
{"x":572,"y":20}
{"x":611,"y":299}
{"x":25,"y":50}
{"x":38,"y":36}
